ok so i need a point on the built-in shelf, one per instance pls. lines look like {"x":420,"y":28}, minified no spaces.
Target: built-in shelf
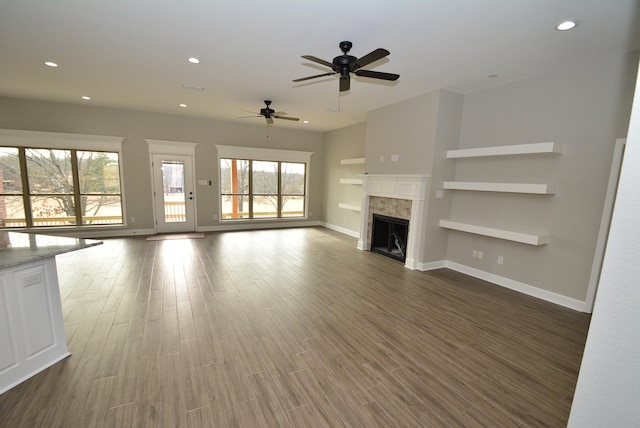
{"x":351,"y":207}
{"x":519,"y":149}
{"x":357,"y":181}
{"x":524,"y":238}
{"x":352,"y":161}
{"x":539,"y":189}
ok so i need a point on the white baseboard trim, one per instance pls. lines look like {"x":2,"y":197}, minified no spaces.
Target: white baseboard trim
{"x":97,"y":234}
{"x":341,"y":230}
{"x":432,"y":265}
{"x":253,"y":225}
{"x":520,"y":287}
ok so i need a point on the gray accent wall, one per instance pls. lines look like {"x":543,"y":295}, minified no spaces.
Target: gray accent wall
{"x":585,"y":109}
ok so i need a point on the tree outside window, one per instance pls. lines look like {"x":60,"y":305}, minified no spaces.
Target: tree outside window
{"x":252,"y":189}
{"x":64,"y":187}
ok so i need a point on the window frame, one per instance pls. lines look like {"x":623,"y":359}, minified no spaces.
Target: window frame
{"x":63,"y":141}
{"x":268,"y":155}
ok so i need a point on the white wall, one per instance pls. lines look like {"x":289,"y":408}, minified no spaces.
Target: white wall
{"x":608,"y":389}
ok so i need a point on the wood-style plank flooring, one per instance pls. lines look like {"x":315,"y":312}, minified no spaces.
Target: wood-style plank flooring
{"x":294,"y":328}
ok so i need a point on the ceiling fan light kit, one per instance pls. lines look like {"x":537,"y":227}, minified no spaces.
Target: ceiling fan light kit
{"x":346,"y":64}
{"x":269,"y":114}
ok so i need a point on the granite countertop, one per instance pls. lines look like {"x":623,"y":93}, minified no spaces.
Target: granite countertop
{"x":17,"y":248}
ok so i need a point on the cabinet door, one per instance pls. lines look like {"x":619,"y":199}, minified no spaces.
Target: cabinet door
{"x":8,"y":352}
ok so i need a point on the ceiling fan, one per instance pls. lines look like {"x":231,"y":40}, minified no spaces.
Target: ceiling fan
{"x":346,"y":64}
{"x":269,"y":114}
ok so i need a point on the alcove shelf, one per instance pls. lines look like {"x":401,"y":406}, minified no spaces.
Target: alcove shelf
{"x":356,"y":181}
{"x":352,"y":161}
{"x":531,"y":188}
{"x":518,"y":149}
{"x":352,"y":181}
{"x":524,"y":238}
{"x":351,"y":207}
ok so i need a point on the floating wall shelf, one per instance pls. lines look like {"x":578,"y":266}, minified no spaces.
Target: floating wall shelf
{"x":351,"y":207}
{"x":357,"y":181}
{"x":352,"y":161}
{"x":539,"y":189}
{"x":519,"y":149}
{"x":524,"y":238}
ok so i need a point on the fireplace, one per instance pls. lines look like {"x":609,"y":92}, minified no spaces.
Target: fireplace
{"x":401,"y":196}
{"x":389,"y":236}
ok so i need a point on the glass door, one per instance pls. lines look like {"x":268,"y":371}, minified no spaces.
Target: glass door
{"x":173,"y":193}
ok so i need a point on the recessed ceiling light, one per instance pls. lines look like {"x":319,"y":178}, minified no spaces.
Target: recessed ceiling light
{"x":194,"y":60}
{"x":305,"y":121}
{"x":566,"y":25}
{"x":50,"y":64}
{"x":86,"y":98}
{"x":183,"y":105}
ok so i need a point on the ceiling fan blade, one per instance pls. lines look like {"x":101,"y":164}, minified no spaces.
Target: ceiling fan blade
{"x":286,"y":118}
{"x":269,"y":120}
{"x":318,"y":60}
{"x":313,"y":77}
{"x":369,"y":58}
{"x":377,"y":75}
{"x":247,"y":117}
{"x":345,"y":83}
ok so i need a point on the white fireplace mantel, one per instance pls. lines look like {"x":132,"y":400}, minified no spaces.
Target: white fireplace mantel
{"x":413,"y":187}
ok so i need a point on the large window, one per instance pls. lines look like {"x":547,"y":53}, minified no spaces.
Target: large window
{"x":262,"y":189}
{"x":59,"y":187}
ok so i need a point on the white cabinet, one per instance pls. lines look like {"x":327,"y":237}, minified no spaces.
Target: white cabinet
{"x":352,"y":181}
{"x":503,"y":187}
{"x":31,"y":322}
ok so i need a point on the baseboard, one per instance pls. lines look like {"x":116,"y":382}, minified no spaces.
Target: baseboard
{"x":341,"y":230}
{"x":256,"y":225}
{"x":96,"y":234}
{"x":520,"y":287}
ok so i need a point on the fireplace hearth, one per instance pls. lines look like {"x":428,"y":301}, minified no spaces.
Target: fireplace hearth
{"x":389,"y":236}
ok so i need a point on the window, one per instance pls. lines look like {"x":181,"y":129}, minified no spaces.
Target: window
{"x":44,"y":186}
{"x":266,"y":188}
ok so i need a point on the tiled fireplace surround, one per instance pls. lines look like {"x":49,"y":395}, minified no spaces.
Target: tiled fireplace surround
{"x":402,"y":196}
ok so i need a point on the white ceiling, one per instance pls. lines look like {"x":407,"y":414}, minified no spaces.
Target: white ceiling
{"x":132,"y":54}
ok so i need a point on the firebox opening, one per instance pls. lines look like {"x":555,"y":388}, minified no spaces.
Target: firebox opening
{"x":389,"y":236}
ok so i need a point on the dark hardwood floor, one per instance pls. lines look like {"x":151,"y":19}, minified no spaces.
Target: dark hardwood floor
{"x":294,"y":328}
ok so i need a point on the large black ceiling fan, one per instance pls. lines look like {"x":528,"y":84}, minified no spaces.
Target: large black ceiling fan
{"x":269,"y":114}
{"x":346,"y":64}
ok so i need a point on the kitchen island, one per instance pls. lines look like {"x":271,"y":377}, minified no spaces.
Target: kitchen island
{"x":32,"y":335}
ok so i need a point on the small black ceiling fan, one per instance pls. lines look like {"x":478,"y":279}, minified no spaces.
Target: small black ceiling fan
{"x":269,"y":114}
{"x":346,"y":64}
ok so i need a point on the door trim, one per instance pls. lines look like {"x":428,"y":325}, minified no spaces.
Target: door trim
{"x":177,"y":148}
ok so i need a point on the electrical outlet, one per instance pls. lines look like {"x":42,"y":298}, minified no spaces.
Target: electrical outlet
{"x":500,"y":260}
{"x":480,"y":254}
{"x":475,"y":254}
